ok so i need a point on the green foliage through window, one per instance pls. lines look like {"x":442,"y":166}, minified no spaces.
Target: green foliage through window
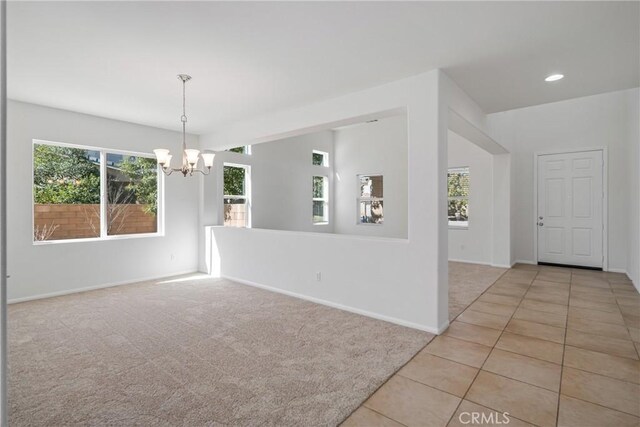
{"x":64,"y":175}
{"x":458,"y":192}
{"x":234,"y":179}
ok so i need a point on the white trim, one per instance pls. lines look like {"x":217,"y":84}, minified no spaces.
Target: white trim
{"x":102,"y":286}
{"x":605,"y":199}
{"x":490,"y":264}
{"x":522,"y":261}
{"x":437,"y":331}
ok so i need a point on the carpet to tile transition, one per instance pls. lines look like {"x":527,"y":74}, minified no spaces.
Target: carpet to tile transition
{"x":195,"y":352}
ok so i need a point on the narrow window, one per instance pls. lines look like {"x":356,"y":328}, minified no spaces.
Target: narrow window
{"x":370,"y":200}
{"x":458,"y":192}
{"x":132,"y":194}
{"x":69,"y":201}
{"x":244,"y":149}
{"x":320,"y":196}
{"x":237,"y":204}
{"x":320,"y":158}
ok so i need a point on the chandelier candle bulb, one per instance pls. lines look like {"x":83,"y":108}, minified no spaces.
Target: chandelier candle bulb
{"x":162,"y":155}
{"x":208,"y":159}
{"x":192,"y":156}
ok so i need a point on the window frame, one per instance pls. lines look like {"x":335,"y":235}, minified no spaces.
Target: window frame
{"x":324,"y":199}
{"x":245,"y":152}
{"x":103,"y":194}
{"x":247,"y":190}
{"x":458,"y":225}
{"x":325,"y":158}
{"x":360,"y":199}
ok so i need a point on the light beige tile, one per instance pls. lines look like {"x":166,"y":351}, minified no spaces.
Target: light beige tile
{"x":526,"y":369}
{"x":526,"y":402}
{"x":544,"y":306}
{"x":412,"y":403}
{"x":552,"y":286}
{"x":545,"y":318}
{"x":635,"y":334}
{"x":554,"y":276}
{"x":575,"y":301}
{"x":582,"y":295}
{"x":483,"y":319}
{"x":633,"y":302}
{"x":553,"y":298}
{"x":601,"y":343}
{"x":500,"y":299}
{"x":536,"y":330}
{"x":631,"y":310}
{"x":597,"y":327}
{"x":601,"y":316}
{"x":615,"y":394}
{"x":473,"y":333}
{"x":465,"y":352}
{"x":483,"y":416}
{"x":590,"y":283}
{"x":631,"y":320}
{"x":507,"y":291}
{"x":521,"y":266}
{"x":578,"y":413}
{"x":620,"y":368}
{"x":365,"y":417}
{"x":491,"y":308}
{"x":533,"y":347}
{"x":443,"y":374}
{"x":621,"y":286}
{"x":625,"y":293}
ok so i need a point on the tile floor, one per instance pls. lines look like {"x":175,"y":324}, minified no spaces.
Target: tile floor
{"x":551,"y":346}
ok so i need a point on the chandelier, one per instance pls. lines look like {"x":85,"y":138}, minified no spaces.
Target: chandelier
{"x":190,"y":156}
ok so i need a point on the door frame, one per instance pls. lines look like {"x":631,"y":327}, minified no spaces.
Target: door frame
{"x":605,"y":199}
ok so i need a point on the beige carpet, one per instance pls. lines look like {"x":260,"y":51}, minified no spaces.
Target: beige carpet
{"x":195,"y":352}
{"x":467,"y":282}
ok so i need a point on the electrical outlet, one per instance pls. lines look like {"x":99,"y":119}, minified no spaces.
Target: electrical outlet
{"x":318,"y":276}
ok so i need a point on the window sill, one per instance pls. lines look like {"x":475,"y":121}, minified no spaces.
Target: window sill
{"x":97,"y":239}
{"x":321,"y":223}
{"x":458,"y":227}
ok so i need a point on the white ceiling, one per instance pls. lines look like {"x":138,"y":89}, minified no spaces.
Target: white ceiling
{"x":119,"y":59}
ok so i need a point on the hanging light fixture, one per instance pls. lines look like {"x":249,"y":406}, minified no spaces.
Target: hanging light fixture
{"x":190,"y":157}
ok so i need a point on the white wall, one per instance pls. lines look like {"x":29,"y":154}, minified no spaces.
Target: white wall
{"x":37,"y":270}
{"x":633,"y":157}
{"x":473,"y":244}
{"x":400,"y":280}
{"x":594,"y":121}
{"x":372,"y":148}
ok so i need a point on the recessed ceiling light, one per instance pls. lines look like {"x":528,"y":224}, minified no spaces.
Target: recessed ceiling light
{"x":554,"y":77}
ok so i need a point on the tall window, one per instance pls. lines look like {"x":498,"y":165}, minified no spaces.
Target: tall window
{"x":458,"y":189}
{"x":370,"y":200}
{"x":82,"y":192}
{"x":237,"y":203}
{"x":320,"y":194}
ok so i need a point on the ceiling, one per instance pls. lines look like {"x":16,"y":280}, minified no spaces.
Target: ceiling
{"x":120,"y":59}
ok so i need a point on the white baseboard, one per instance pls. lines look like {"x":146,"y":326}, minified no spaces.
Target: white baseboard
{"x":525,"y":261}
{"x":93,"y":288}
{"x":618,"y":270}
{"x":437,"y":331}
{"x":465,"y":261}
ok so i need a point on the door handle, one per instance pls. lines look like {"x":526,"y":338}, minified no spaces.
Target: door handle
{"x":540,"y":224}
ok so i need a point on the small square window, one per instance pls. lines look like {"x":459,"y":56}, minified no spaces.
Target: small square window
{"x":320,"y":158}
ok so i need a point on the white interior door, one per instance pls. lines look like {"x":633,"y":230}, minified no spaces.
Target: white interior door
{"x":570,"y":208}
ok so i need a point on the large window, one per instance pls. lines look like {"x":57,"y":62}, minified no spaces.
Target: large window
{"x":458,"y":189}
{"x":370,"y":200}
{"x":82,"y":192}
{"x":320,"y":194}
{"x":237,"y":202}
